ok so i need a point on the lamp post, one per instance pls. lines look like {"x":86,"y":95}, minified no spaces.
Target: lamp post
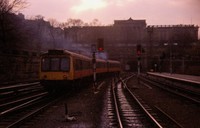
{"x":150,"y":30}
{"x":93,"y":48}
{"x":170,"y":55}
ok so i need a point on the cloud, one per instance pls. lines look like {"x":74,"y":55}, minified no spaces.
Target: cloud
{"x":86,"y":5}
{"x":120,"y":2}
{"x":154,"y":11}
{"x":106,"y":12}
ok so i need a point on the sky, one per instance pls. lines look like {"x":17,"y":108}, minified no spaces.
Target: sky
{"x":155,"y":12}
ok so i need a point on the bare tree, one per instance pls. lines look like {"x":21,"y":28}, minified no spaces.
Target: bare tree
{"x":38,"y":17}
{"x":78,"y":23}
{"x":63,"y":25}
{"x":12,"y":6}
{"x":7,"y":8}
{"x":73,"y":22}
{"x":95,"y":22}
{"x":53,"y":24}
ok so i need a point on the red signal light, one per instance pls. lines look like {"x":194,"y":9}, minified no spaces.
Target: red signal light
{"x":139,"y":50}
{"x":100,"y":44}
{"x":100,"y":49}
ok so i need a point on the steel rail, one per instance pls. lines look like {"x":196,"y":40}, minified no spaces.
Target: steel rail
{"x":21,"y":120}
{"x":32,"y":114}
{"x":164,"y":113}
{"x":18,"y":86}
{"x":116,"y":105}
{"x":171,"y":91}
{"x":143,"y":108}
{"x":23,"y":105}
{"x":24,"y":99}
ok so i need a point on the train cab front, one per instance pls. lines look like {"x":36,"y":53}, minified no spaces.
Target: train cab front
{"x":55,"y":71}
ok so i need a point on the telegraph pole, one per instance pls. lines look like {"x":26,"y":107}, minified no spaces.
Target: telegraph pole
{"x":94,"y":66}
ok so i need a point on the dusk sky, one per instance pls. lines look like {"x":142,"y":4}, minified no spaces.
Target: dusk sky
{"x":155,"y":12}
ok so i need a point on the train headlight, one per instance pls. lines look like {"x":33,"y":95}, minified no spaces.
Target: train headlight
{"x":64,"y":76}
{"x":45,"y":76}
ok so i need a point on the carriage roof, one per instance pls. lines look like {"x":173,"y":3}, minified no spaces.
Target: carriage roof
{"x":66,"y":52}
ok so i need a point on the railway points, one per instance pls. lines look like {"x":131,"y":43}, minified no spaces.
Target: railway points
{"x":95,"y":110}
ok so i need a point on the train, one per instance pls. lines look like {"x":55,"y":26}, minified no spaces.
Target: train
{"x":63,"y":66}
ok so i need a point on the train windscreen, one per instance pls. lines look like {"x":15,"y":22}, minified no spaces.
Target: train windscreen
{"x":55,"y":64}
{"x":64,"y":64}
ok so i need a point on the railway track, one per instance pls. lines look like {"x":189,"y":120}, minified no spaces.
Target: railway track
{"x":128,"y":109}
{"x":187,"y":91}
{"x":19,"y":102}
{"x":23,"y":112}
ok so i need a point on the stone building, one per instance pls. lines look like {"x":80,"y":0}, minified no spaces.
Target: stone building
{"x":121,"y":39}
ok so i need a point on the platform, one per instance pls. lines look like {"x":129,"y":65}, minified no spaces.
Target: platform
{"x":181,"y":77}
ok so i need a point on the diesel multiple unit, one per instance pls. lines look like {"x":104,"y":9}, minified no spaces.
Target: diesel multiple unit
{"x":65,"y":66}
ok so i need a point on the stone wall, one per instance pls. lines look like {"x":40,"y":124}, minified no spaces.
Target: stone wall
{"x":18,"y":66}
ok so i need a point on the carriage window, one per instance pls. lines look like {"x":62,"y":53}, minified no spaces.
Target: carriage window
{"x":55,"y":64}
{"x":45,"y":64}
{"x":64,"y":64}
{"x":78,"y":64}
{"x":86,"y":64}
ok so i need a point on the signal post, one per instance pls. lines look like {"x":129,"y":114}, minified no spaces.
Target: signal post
{"x":100,"y":48}
{"x":139,"y":51}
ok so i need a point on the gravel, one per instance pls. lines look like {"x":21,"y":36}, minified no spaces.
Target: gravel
{"x":87,"y":109}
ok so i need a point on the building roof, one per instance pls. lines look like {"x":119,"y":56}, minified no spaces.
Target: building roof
{"x":130,"y":22}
